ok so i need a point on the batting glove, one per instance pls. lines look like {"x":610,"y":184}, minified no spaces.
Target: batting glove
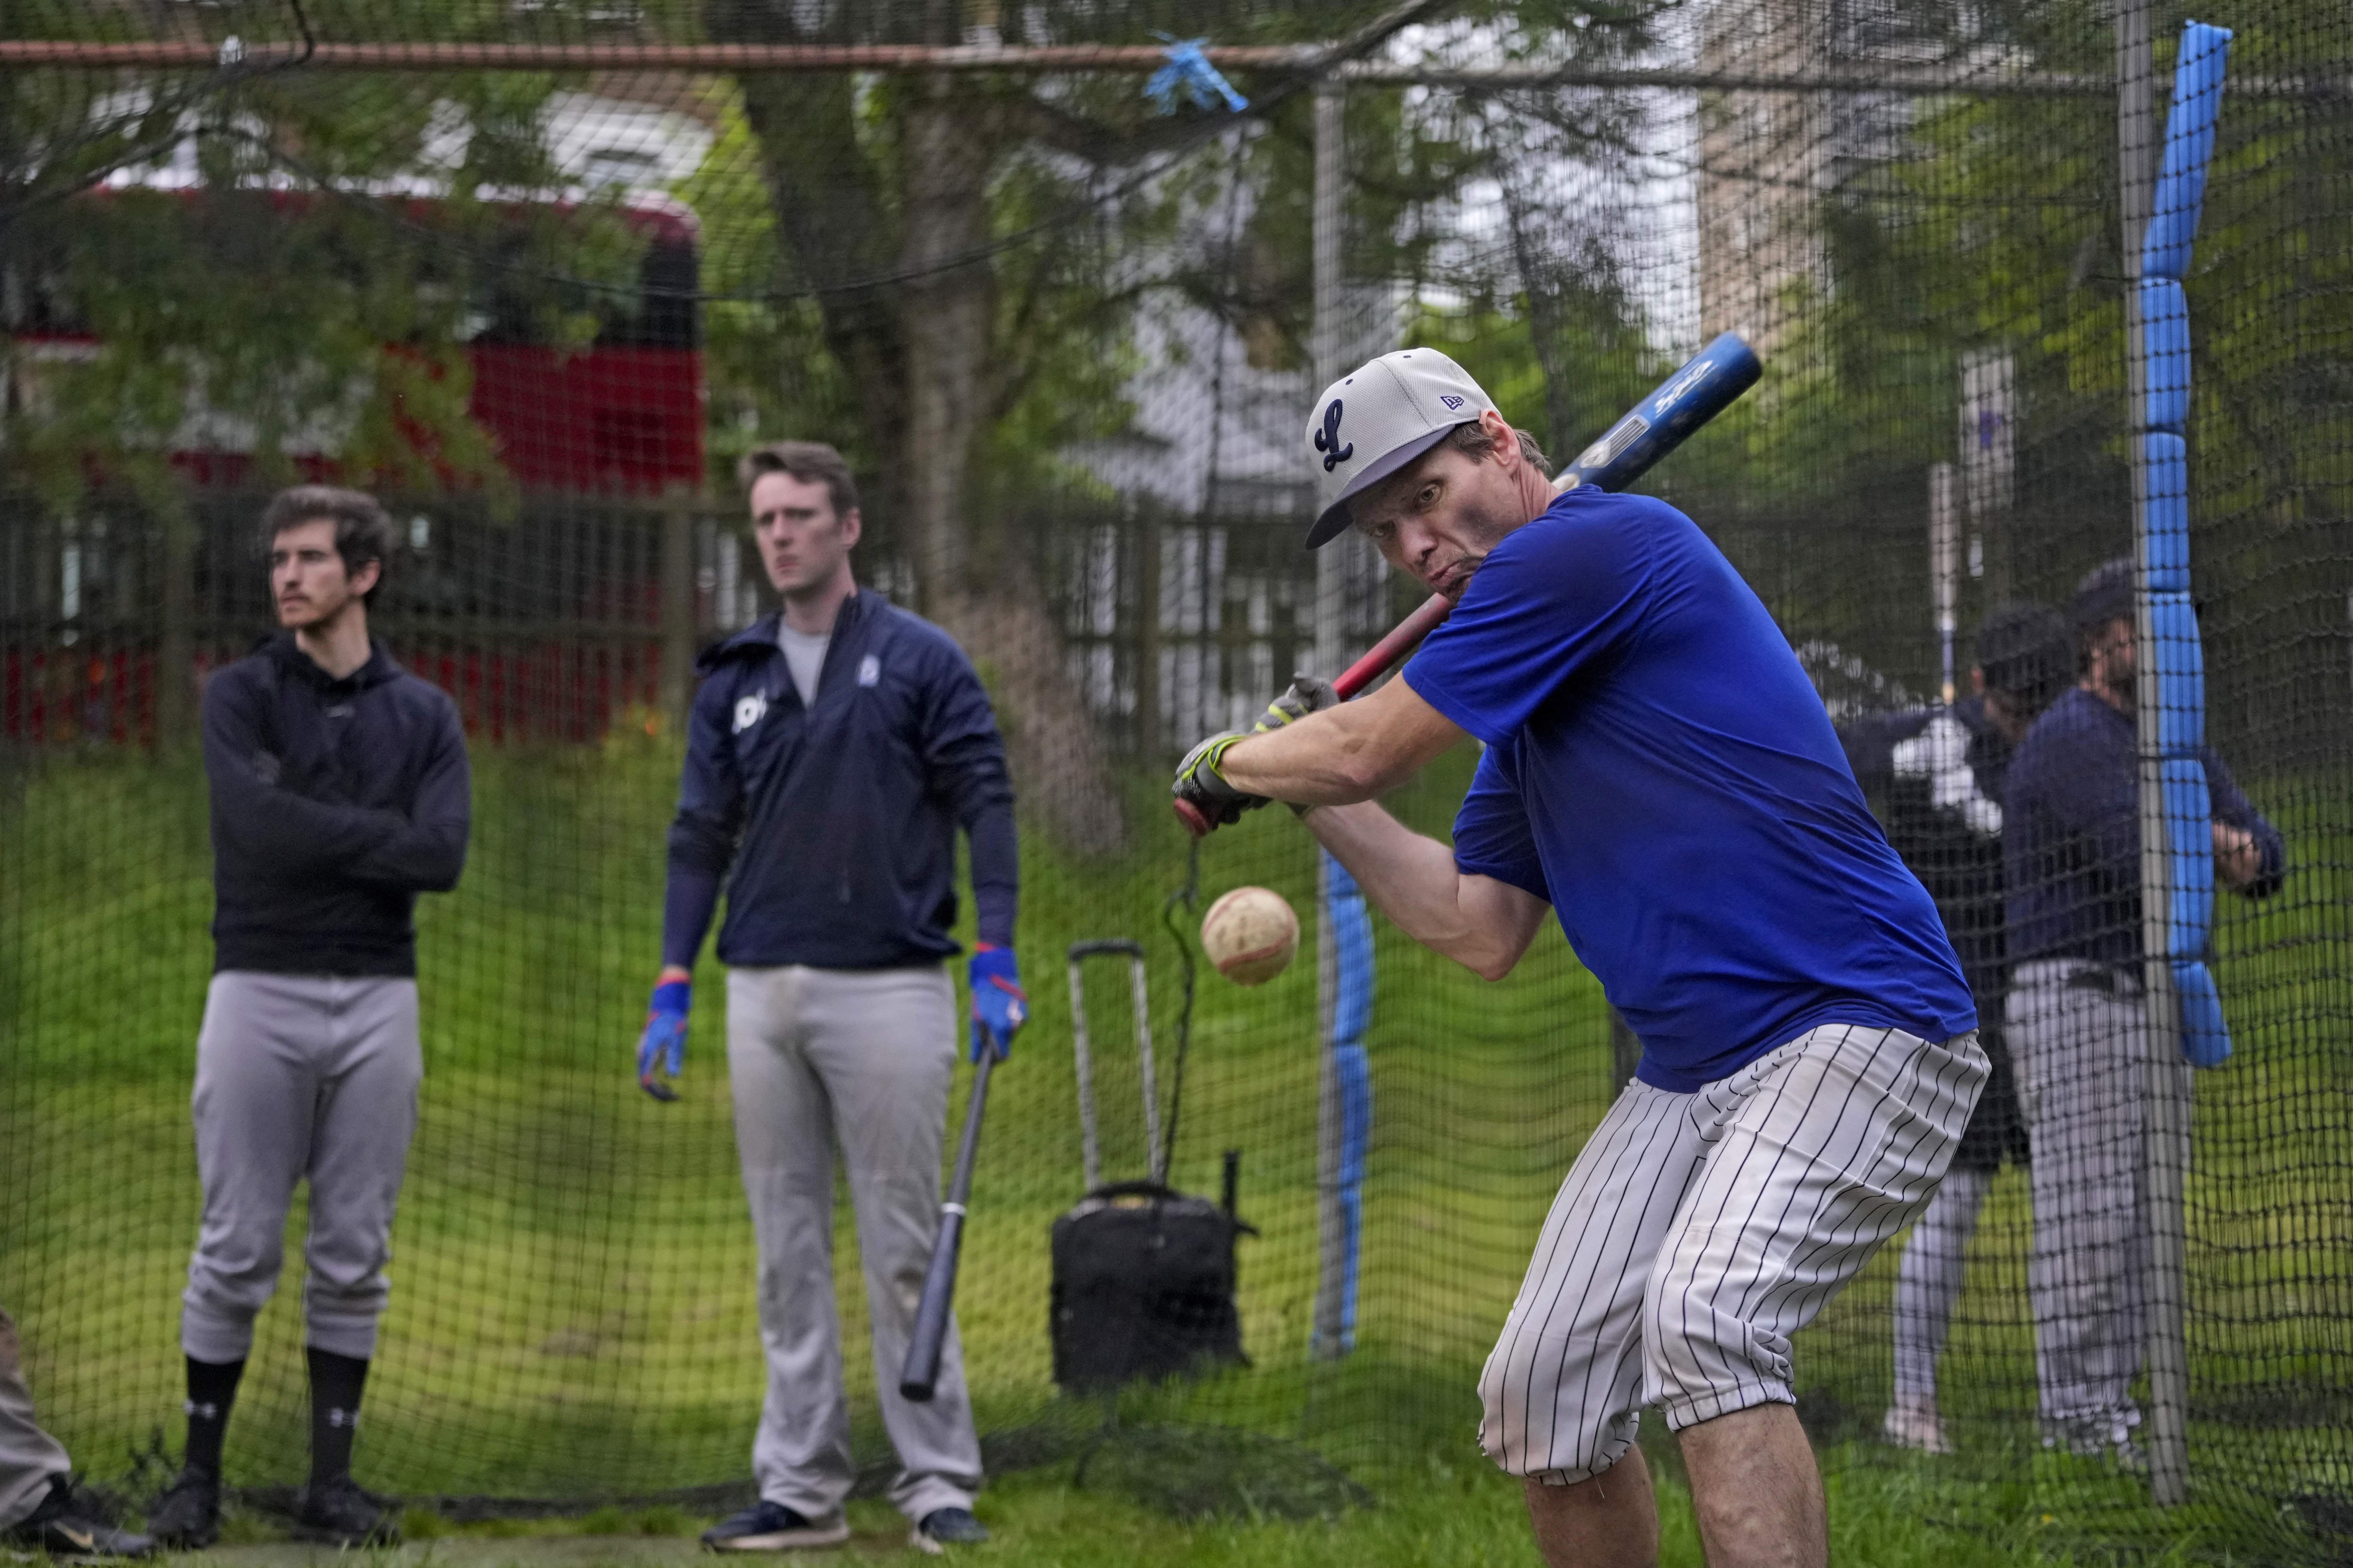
{"x":999,"y":1006}
{"x":1201,"y":785}
{"x":1307,"y":695}
{"x":665,"y":1033}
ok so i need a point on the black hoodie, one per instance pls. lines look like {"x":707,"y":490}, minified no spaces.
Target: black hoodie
{"x":334,"y":802}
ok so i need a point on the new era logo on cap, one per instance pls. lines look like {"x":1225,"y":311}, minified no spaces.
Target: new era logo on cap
{"x":1369,"y":424}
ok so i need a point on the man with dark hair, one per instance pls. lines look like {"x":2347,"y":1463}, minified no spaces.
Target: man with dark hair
{"x":340,"y":792}
{"x":1935,"y":775}
{"x":2078,"y":1022}
{"x":39,"y":1509}
{"x":1661,"y":775}
{"x":834,"y":751}
{"x":362,"y":532}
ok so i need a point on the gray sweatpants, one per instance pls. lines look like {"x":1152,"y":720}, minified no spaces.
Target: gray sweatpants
{"x":1928,"y":1282}
{"x":2083,"y":1063}
{"x":862,"y":1058}
{"x":298,"y":1075}
{"x":30,"y":1457}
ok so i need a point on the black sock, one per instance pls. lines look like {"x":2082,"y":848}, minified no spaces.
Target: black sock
{"x":212,"y":1389}
{"x":335,"y":1385}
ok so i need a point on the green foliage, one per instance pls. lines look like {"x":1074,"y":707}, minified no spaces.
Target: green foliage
{"x":300,"y":292}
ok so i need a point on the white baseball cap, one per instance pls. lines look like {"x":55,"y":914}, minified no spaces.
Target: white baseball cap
{"x":1370,"y":424}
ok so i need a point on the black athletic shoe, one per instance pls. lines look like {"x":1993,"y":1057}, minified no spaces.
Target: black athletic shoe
{"x":64,"y":1529}
{"x":945,"y":1526}
{"x":186,"y":1516}
{"x":772,"y":1527}
{"x":340,"y":1514}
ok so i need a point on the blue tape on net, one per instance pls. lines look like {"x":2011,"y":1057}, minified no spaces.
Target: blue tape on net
{"x":2165,"y":354}
{"x":2189,"y":146}
{"x":1354,"y":1071}
{"x":1352,"y":935}
{"x":1188,"y":72}
{"x":2205,"y":1038}
{"x":1352,"y":1014}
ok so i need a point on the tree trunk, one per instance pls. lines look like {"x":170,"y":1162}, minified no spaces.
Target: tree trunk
{"x":947,"y":142}
{"x":950,"y":140}
{"x":919,"y":352}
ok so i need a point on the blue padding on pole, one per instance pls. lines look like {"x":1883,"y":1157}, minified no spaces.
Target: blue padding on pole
{"x":2163,"y":526}
{"x":2180,"y":676}
{"x":2164,"y":467}
{"x":1352,"y":1015}
{"x":2189,"y":146}
{"x":2165,"y":348}
{"x":2205,"y":1038}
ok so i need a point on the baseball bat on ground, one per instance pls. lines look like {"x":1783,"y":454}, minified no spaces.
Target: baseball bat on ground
{"x":1701,"y":388}
{"x":920,"y":1373}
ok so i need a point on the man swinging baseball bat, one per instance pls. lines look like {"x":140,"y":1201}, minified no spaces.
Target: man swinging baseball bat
{"x":1658,"y":771}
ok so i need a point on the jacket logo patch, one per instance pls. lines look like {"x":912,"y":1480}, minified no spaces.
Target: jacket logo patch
{"x":750,"y":710}
{"x":869,"y":670}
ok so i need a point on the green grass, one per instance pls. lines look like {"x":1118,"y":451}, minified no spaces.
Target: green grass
{"x":572,"y":1314}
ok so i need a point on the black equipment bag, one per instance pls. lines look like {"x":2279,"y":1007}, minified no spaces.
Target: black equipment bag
{"x":1143,"y":1275}
{"x":1144,"y":1287}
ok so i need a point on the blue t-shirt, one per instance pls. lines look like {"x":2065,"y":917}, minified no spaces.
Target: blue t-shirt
{"x":1659,"y":768}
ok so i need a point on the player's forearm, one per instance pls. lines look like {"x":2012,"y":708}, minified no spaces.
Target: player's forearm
{"x":995,"y":857}
{"x":688,"y":900}
{"x":1332,"y":758}
{"x":1414,"y":882}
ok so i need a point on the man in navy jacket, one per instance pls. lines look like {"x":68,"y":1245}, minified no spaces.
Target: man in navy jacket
{"x":2078,"y":1024}
{"x":340,"y":792}
{"x":834,"y":751}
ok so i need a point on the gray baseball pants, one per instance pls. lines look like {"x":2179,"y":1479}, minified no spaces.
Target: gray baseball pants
{"x":29,"y":1458}
{"x":2080,"y":1034}
{"x":298,"y":1075}
{"x":1928,"y":1283}
{"x":1695,"y":1233}
{"x":862,"y":1058}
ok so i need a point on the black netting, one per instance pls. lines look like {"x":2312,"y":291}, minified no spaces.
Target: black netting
{"x":539,"y":273}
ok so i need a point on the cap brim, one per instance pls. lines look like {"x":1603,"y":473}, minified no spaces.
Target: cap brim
{"x":1333,"y":519}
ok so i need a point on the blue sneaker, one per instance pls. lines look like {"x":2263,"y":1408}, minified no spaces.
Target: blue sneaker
{"x":946,"y":1526}
{"x":772,"y":1527}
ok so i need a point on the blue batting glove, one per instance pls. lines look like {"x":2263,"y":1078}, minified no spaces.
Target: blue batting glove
{"x":999,"y":1006}
{"x":665,"y":1033}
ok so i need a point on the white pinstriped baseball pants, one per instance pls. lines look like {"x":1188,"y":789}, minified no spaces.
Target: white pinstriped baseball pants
{"x":1697,"y":1232}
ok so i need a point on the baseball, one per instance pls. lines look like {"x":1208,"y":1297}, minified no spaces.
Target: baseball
{"x":1250,"y":935}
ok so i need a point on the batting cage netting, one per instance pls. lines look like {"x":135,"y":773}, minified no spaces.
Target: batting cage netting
{"x":2049,"y":480}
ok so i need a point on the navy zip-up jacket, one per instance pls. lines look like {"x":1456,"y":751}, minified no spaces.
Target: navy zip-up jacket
{"x":839,"y":820}
{"x":2073,"y":848}
{"x":334,"y":802}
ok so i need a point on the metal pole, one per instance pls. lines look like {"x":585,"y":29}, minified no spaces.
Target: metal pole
{"x":1331,"y":585}
{"x":1943,"y":566}
{"x":1325,"y":341}
{"x":2165,"y":1112}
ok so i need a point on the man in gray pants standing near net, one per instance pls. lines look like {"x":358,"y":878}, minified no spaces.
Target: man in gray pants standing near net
{"x":340,"y":791}
{"x":834,"y":751}
{"x":2079,"y":1022}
